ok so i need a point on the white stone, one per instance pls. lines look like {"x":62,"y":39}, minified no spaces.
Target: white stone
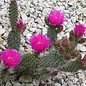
{"x":44,"y":31}
{"x":54,"y":1}
{"x":59,"y":76}
{"x":5,"y":35}
{"x":45,"y":11}
{"x":70,"y":83}
{"x":57,"y":84}
{"x":81,"y":47}
{"x":35,"y":2}
{"x":83,"y":84}
{"x":83,"y":10}
{"x":4,"y":43}
{"x":71,"y":3}
{"x":22,"y":40}
{"x":25,"y":32}
{"x":8,"y":84}
{"x":2,"y":47}
{"x":28,"y":36}
{"x":16,"y":84}
{"x":1,"y":40}
{"x":2,"y":30}
{"x":32,"y":29}
{"x":24,"y":17}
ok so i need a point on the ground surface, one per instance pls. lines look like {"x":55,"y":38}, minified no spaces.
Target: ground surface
{"x":33,"y":13}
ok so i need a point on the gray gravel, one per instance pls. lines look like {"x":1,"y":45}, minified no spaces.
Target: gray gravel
{"x":33,"y":13}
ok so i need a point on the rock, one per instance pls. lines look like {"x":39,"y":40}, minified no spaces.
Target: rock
{"x":2,"y":47}
{"x":71,"y":3}
{"x":35,"y":2}
{"x":59,"y":76}
{"x":81,"y":47}
{"x":45,"y":11}
{"x":0,"y":82}
{"x":82,"y":11}
{"x":70,"y":83}
{"x":8,"y":84}
{"x":44,"y":31}
{"x":2,"y":31}
{"x":25,"y":32}
{"x":33,"y":29}
{"x":25,"y":79}
{"x":75,"y":80}
{"x":5,"y":35}
{"x":28,"y":36}
{"x":83,"y":84}
{"x":29,"y":85}
{"x":22,"y":40}
{"x":71,"y":78}
{"x":36,"y":83}
{"x":24,"y":17}
{"x":57,"y":84}
{"x":16,"y":84}
{"x":1,"y":40}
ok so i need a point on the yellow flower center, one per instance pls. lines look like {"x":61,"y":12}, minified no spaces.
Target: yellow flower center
{"x":10,"y":58}
{"x":39,"y":43}
{"x":56,"y":17}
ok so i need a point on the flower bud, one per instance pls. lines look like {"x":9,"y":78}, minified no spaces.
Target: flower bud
{"x":71,"y":38}
{"x":65,"y":41}
{"x":21,"y":26}
{"x":71,"y":46}
{"x":61,"y":50}
{"x":68,"y":56}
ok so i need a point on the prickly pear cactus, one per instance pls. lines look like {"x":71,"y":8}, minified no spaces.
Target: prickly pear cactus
{"x":56,"y":60}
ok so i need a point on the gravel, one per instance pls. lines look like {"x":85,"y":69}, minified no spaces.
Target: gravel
{"x":33,"y":13}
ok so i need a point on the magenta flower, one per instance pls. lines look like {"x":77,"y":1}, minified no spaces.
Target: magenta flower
{"x":11,"y":58}
{"x":39,"y":42}
{"x":56,"y":17}
{"x":20,"y":25}
{"x":79,"y":30}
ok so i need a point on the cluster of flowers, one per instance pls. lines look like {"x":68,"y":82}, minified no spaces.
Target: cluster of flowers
{"x":39,"y":43}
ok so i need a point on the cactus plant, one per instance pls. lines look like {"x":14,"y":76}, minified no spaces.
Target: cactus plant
{"x":28,"y":65}
{"x":13,"y":14}
{"x":56,"y":60}
{"x":14,"y":40}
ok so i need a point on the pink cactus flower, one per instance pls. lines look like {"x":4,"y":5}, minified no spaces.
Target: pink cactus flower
{"x":11,"y":58}
{"x":20,"y":25}
{"x":79,"y":30}
{"x":56,"y":18}
{"x":39,"y":42}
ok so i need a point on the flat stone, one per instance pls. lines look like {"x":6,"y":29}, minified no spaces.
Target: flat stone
{"x":25,"y":79}
{"x":8,"y":84}
{"x":44,"y":31}
{"x":16,"y":84}
{"x":0,"y":82}
{"x":82,"y":11}
{"x":28,"y":36}
{"x":57,"y":84}
{"x":2,"y":31}
{"x":70,"y":83}
{"x":1,"y":40}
